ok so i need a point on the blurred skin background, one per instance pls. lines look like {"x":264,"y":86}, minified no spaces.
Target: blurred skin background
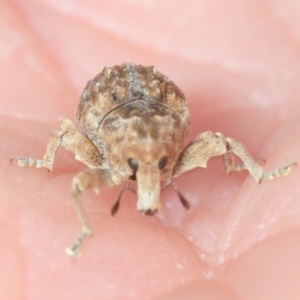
{"x":238,"y":64}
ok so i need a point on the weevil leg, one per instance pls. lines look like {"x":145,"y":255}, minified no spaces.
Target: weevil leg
{"x":232,"y":166}
{"x":197,"y":154}
{"x":48,"y":159}
{"x":250,"y":164}
{"x":90,"y":179}
{"x":283,"y":171}
{"x":71,"y":139}
{"x":209,"y":144}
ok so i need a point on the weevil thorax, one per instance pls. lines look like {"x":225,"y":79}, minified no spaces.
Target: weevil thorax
{"x":137,"y":118}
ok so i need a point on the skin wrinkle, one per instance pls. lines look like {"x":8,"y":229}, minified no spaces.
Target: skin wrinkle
{"x":20,"y":116}
{"x":281,"y":24}
{"x":234,"y":221}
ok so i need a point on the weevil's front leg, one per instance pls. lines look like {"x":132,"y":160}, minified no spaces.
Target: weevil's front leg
{"x":48,"y":159}
{"x":208,"y":144}
{"x":205,"y":146}
{"x":248,"y":163}
{"x":71,"y":139}
{"x":231,"y":165}
{"x":90,"y":179}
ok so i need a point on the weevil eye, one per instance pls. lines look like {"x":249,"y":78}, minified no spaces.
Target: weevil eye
{"x":133,"y":163}
{"x":162,"y":163}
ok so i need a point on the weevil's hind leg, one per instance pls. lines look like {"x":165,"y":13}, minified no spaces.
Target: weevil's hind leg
{"x":248,"y":163}
{"x":90,"y":179}
{"x":71,"y":139}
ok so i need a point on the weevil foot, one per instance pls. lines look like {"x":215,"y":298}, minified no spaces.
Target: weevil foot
{"x":270,"y":175}
{"x":75,"y":249}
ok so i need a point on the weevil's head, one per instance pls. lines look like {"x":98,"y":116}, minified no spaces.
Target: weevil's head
{"x":142,"y":142}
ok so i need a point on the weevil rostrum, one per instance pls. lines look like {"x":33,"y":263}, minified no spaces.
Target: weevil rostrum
{"x":131,"y":122}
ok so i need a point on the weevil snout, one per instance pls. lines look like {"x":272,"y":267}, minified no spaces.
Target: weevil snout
{"x":148,"y":181}
{"x":148,"y":160}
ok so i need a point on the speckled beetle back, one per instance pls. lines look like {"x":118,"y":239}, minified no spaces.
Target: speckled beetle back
{"x":116,"y":86}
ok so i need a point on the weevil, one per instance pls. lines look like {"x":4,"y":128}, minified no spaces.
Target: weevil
{"x":131,"y":123}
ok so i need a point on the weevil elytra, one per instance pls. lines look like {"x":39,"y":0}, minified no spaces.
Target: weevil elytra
{"x":131,"y":122}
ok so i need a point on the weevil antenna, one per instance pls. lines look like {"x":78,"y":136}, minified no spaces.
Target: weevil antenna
{"x":182,"y":199}
{"x":116,"y":206}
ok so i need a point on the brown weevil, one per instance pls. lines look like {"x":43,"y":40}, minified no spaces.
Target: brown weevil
{"x":131,"y":123}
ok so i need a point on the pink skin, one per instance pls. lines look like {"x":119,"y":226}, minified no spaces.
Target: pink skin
{"x":238,"y":65}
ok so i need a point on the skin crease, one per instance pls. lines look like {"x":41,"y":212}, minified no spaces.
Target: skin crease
{"x":238,"y":65}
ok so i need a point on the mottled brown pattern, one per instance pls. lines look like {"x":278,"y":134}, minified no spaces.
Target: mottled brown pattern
{"x":131,"y":124}
{"x":118,"y":85}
